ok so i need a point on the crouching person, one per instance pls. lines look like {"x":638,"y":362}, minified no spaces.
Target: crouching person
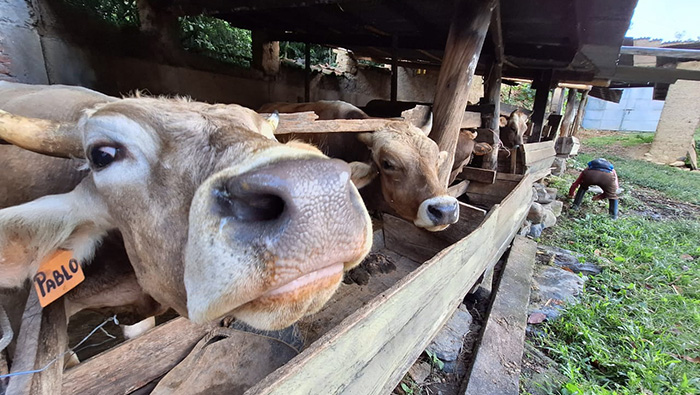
{"x":600,"y":172}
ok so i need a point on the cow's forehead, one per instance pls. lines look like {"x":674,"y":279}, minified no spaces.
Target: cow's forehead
{"x":182,"y":116}
{"x":407,"y":139}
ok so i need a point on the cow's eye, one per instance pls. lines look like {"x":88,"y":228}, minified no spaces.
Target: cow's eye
{"x":386,"y":165}
{"x":102,"y":156}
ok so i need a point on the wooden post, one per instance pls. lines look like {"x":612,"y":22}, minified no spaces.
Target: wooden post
{"x":580,"y":113}
{"x":470,"y":22}
{"x":557,"y":101}
{"x":492,"y":94}
{"x":540,"y":106}
{"x":569,"y":113}
{"x":394,"y":68}
{"x":42,"y":338}
{"x":266,"y":53}
{"x":307,"y":72}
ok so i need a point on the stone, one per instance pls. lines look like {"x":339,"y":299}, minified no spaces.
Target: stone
{"x":555,"y":207}
{"x":536,"y":213}
{"x":447,"y":344}
{"x":548,"y":219}
{"x":525,"y":228}
{"x":419,"y":372}
{"x":559,"y":166}
{"x":542,"y":195}
{"x":555,"y":285}
{"x":536,"y":230}
{"x":678,"y":163}
{"x":566,"y":259}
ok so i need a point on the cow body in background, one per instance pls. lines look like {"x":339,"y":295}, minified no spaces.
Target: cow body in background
{"x":208,"y":205}
{"x":325,"y":109}
{"x":402,"y":157}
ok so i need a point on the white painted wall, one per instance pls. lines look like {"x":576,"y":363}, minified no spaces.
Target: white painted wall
{"x":636,"y":111}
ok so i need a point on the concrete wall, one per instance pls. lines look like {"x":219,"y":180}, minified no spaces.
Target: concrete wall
{"x":636,"y":111}
{"x":680,"y":118}
{"x":21,"y":57}
{"x":57,"y":49}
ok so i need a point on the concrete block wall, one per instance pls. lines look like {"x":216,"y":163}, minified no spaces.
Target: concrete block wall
{"x":21,"y":56}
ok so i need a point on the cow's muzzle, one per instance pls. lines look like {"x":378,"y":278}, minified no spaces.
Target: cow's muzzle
{"x":277,"y":238}
{"x":437,"y":213}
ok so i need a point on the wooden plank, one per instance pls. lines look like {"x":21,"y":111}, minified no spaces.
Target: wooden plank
{"x":43,"y":338}
{"x":534,"y":157}
{"x":372,"y":349}
{"x":580,"y":113}
{"x":470,"y":218}
{"x":305,"y":116}
{"x":406,"y":239}
{"x":540,"y":106}
{"x":470,"y":22}
{"x":479,"y":175}
{"x":664,"y":52}
{"x":332,"y":126}
{"x":458,"y":189}
{"x":492,"y":94}
{"x":569,"y":114}
{"x":471,"y":120}
{"x":496,"y":368}
{"x":135,"y":363}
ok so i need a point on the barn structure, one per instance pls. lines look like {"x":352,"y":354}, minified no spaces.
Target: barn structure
{"x":548,"y":42}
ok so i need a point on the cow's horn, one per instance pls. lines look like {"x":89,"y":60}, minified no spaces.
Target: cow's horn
{"x":42,"y":136}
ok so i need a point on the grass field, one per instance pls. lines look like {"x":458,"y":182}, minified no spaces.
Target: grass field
{"x":636,"y":329}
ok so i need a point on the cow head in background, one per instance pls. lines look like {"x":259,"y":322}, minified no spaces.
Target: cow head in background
{"x":407,"y":163}
{"x":216,"y":218}
{"x":513,"y":128}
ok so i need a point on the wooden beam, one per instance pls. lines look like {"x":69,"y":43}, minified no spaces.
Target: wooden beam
{"x":540,"y":106}
{"x":307,"y":72}
{"x":580,"y":113}
{"x":496,"y":368}
{"x":653,"y":74}
{"x":492,"y":94}
{"x":470,"y":22}
{"x":661,"y":52}
{"x":135,"y":363}
{"x":42,"y":339}
{"x":333,"y":126}
{"x":394,"y":68}
{"x":485,"y":176}
{"x":496,"y":32}
{"x":266,"y":53}
{"x":569,"y":114}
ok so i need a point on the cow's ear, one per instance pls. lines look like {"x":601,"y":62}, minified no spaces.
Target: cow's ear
{"x":362,"y":174}
{"x":502,"y":121}
{"x":366,"y":138}
{"x":482,"y":148}
{"x":428,"y":125}
{"x":32,"y":231}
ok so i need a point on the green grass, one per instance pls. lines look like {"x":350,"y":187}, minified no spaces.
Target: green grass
{"x":626,"y":140}
{"x":639,"y":319}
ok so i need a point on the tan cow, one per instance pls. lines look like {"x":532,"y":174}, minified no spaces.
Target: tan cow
{"x":403,"y":157}
{"x":513,"y":128}
{"x":467,"y":147}
{"x":210,"y":209}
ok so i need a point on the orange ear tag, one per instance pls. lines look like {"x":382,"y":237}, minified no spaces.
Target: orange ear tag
{"x":57,"y":275}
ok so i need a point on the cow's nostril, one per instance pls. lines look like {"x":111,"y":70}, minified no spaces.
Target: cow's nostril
{"x":248,"y":207}
{"x":435,"y":212}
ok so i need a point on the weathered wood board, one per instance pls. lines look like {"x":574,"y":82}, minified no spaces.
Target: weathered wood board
{"x":496,"y":368}
{"x":370,"y":351}
{"x":135,"y":363}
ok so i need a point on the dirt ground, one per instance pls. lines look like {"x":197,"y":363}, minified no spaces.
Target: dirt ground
{"x":617,"y":149}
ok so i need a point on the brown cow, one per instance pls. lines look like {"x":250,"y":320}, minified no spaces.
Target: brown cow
{"x":210,"y":209}
{"x":402,"y":155}
{"x":467,"y":147}
{"x":513,"y":128}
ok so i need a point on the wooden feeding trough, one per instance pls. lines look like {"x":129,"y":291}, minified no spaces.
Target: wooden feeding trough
{"x":364,"y":340}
